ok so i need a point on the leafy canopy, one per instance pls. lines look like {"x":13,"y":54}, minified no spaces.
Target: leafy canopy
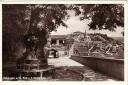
{"x":50,"y":16}
{"x":102,"y":16}
{"x":21,"y":19}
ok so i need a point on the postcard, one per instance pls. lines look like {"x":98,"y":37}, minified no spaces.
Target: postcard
{"x":57,"y":42}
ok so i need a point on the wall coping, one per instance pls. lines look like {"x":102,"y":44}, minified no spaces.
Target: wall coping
{"x":101,"y":58}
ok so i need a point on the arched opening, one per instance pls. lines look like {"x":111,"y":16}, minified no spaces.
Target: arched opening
{"x":53,"y":53}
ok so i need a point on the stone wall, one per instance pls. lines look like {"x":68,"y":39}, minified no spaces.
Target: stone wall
{"x":110,"y":67}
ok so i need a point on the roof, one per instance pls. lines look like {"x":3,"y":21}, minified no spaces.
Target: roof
{"x":78,"y":32}
{"x":58,"y":36}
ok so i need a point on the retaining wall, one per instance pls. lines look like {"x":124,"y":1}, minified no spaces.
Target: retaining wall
{"x":111,"y":67}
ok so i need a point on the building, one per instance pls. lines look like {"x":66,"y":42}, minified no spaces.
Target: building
{"x":58,"y":46}
{"x":77,"y":43}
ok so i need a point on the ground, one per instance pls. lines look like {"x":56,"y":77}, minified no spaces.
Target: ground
{"x":68,"y":69}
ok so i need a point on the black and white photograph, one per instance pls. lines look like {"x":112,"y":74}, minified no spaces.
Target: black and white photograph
{"x":63,"y":42}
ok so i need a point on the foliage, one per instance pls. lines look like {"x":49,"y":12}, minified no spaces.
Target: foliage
{"x":100,"y":36}
{"x":20,"y":20}
{"x":102,"y":16}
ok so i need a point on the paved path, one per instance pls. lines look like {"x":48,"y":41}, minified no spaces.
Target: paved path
{"x":63,"y":61}
{"x":88,"y":73}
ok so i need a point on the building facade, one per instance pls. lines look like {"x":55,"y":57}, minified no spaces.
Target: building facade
{"x":58,"y":46}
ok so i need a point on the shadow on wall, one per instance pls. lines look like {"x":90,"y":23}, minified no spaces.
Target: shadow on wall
{"x":111,"y":67}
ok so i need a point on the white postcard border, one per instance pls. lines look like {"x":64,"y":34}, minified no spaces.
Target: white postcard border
{"x":70,"y":82}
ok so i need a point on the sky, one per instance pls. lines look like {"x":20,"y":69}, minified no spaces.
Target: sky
{"x":74,"y":24}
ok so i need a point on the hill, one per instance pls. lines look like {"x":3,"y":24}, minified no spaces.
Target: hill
{"x":118,"y":38}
